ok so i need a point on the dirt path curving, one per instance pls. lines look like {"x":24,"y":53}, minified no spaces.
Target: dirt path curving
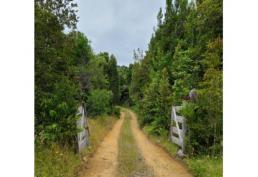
{"x":104,"y":161}
{"x":156,"y":157}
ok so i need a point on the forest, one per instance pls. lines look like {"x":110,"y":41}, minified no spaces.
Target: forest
{"x":184,"y":54}
{"x":67,"y":73}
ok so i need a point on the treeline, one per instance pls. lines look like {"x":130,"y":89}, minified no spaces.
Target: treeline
{"x":67,"y":74}
{"x":184,"y":54}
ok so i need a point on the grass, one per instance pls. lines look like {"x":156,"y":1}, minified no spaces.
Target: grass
{"x":204,"y":166}
{"x":130,"y":161}
{"x":57,"y":161}
{"x":200,"y":166}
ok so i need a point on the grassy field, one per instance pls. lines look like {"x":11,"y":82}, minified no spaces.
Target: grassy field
{"x":130,"y":161}
{"x":56,"y":161}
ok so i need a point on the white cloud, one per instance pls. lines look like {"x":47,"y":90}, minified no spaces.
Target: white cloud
{"x":118,"y":26}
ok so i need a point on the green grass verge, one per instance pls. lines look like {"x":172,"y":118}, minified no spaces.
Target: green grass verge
{"x":130,"y":161}
{"x":57,"y":161}
{"x":205,"y":166}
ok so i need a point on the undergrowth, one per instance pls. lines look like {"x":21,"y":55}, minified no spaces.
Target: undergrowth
{"x":58,"y":161}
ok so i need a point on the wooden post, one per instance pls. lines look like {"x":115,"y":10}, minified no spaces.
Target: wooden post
{"x":177,"y":132}
{"x":82,"y":124}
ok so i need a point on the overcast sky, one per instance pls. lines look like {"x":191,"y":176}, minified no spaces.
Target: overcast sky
{"x":118,"y":26}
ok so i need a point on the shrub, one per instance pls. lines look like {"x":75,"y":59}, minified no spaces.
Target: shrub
{"x":116,"y":111}
{"x":56,"y":114}
{"x":99,"y":102}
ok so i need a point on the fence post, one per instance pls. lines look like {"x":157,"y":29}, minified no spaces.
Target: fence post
{"x":82,"y":124}
{"x":177,"y":132}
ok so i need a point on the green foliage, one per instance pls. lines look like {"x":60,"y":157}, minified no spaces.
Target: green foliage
{"x":139,"y":78}
{"x":113,"y":78}
{"x":99,"y":102}
{"x":204,"y":115}
{"x":124,"y":74}
{"x":64,"y":10}
{"x":185,"y":53}
{"x":205,"y":166}
{"x":156,"y":103}
{"x":67,"y":73}
{"x":55,"y":121}
{"x":116,"y":112}
{"x":96,"y":73}
{"x":57,"y":93}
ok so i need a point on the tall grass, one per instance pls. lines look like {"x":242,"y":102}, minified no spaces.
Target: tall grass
{"x":58,"y":161}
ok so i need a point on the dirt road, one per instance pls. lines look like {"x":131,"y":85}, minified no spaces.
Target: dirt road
{"x":156,"y":157}
{"x":104,"y":163}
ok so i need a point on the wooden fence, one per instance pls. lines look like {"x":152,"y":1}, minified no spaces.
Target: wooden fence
{"x":82,"y":124}
{"x":177,"y":127}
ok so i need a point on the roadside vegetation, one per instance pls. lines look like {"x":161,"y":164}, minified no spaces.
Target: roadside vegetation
{"x":59,"y":161}
{"x":205,"y":166}
{"x":56,"y":161}
{"x":199,"y":166}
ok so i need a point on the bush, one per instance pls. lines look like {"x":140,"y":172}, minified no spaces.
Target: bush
{"x":205,"y":166}
{"x":116,"y":111}
{"x":204,"y":135}
{"x":99,"y":102}
{"x":56,"y":113}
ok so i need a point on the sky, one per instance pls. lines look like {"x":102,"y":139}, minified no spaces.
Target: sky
{"x":118,"y":26}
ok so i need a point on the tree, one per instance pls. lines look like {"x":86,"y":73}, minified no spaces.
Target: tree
{"x":63,"y":10}
{"x":124,"y":83}
{"x":113,"y":78}
{"x":159,"y":17}
{"x":52,"y":70}
{"x":156,"y":103}
{"x":184,"y":53}
{"x":99,"y":102}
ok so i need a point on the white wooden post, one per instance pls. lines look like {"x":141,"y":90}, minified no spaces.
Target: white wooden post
{"x":176,"y":129}
{"x":83,"y":136}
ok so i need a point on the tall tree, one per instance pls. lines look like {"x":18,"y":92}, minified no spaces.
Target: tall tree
{"x":113,"y":78}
